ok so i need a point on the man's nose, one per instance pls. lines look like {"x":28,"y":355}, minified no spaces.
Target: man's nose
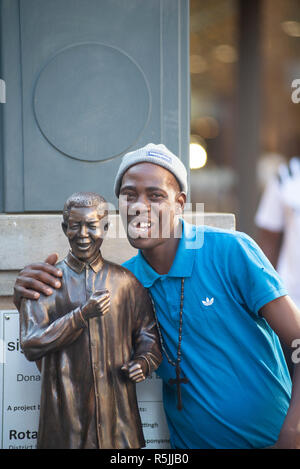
{"x":83,"y":231}
{"x":140,"y":206}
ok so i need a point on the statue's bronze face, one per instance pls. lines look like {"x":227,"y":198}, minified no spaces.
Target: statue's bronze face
{"x":85,"y":231}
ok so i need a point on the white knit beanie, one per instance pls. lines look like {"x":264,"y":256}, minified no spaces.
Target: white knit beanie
{"x":155,"y":154}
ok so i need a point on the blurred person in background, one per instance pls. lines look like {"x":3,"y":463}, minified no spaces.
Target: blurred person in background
{"x":278,"y":222}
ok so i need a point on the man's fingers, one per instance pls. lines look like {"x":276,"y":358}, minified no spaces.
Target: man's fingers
{"x":52,"y":258}
{"x":41,"y":267}
{"x":40,"y":276}
{"x":29,"y":283}
{"x":20,"y":292}
{"x":37,"y":278}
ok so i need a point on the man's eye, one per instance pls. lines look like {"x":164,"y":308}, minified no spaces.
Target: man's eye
{"x":93,"y":227}
{"x":129,"y":196}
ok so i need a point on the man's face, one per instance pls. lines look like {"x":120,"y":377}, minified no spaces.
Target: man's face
{"x":149,"y":199}
{"x":85,"y":231}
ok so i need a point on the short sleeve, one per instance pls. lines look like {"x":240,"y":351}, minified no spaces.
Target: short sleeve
{"x":270,"y":212}
{"x":256,"y":280}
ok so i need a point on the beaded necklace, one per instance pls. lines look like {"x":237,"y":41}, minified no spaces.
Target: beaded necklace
{"x":177,"y":380}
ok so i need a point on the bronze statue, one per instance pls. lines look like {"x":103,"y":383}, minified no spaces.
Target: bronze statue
{"x":96,"y":337}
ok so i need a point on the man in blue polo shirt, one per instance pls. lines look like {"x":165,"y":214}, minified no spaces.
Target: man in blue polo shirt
{"x":218,"y":302}
{"x":238,"y":391}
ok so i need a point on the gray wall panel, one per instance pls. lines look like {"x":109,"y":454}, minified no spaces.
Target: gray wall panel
{"x":92,"y":80}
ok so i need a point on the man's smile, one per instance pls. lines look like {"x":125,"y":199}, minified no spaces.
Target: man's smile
{"x":83,"y":246}
{"x":140,"y":227}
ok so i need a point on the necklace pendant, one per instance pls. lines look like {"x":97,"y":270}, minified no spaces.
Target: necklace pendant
{"x":178,"y":382}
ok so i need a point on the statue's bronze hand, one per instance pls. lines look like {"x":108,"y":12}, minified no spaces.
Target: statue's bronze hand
{"x":136,"y":370}
{"x":97,"y":305}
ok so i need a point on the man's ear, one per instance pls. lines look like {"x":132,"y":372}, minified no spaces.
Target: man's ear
{"x":180,"y":202}
{"x":64,"y":228}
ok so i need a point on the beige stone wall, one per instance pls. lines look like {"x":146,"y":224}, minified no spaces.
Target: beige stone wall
{"x":30,"y":238}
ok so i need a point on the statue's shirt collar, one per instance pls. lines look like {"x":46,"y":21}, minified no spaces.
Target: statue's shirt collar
{"x":78,"y":265}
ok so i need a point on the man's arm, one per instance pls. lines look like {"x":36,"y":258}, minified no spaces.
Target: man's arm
{"x":37,"y":278}
{"x":283,"y":316}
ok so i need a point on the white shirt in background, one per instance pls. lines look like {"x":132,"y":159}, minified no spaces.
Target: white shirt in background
{"x":279,"y":211}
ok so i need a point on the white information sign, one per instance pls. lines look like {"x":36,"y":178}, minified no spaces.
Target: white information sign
{"x":20,"y":395}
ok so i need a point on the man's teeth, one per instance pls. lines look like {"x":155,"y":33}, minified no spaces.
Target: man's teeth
{"x":144,"y":225}
{"x":141,"y":224}
{"x":140,"y":229}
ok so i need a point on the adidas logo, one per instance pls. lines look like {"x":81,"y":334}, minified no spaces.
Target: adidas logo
{"x":208,"y":302}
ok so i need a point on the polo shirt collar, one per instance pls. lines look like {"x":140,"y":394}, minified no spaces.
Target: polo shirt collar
{"x":145,"y":273}
{"x":184,"y":260}
{"x":182,"y":265}
{"x":77,"y":265}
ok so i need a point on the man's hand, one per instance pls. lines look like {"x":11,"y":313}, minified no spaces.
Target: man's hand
{"x":37,"y":278}
{"x":136,"y":370}
{"x":97,"y":305}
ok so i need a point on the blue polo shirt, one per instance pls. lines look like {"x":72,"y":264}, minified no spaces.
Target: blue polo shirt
{"x":239,"y":386}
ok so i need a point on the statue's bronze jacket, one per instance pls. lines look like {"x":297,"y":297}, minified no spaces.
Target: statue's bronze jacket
{"x":86,"y":399}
